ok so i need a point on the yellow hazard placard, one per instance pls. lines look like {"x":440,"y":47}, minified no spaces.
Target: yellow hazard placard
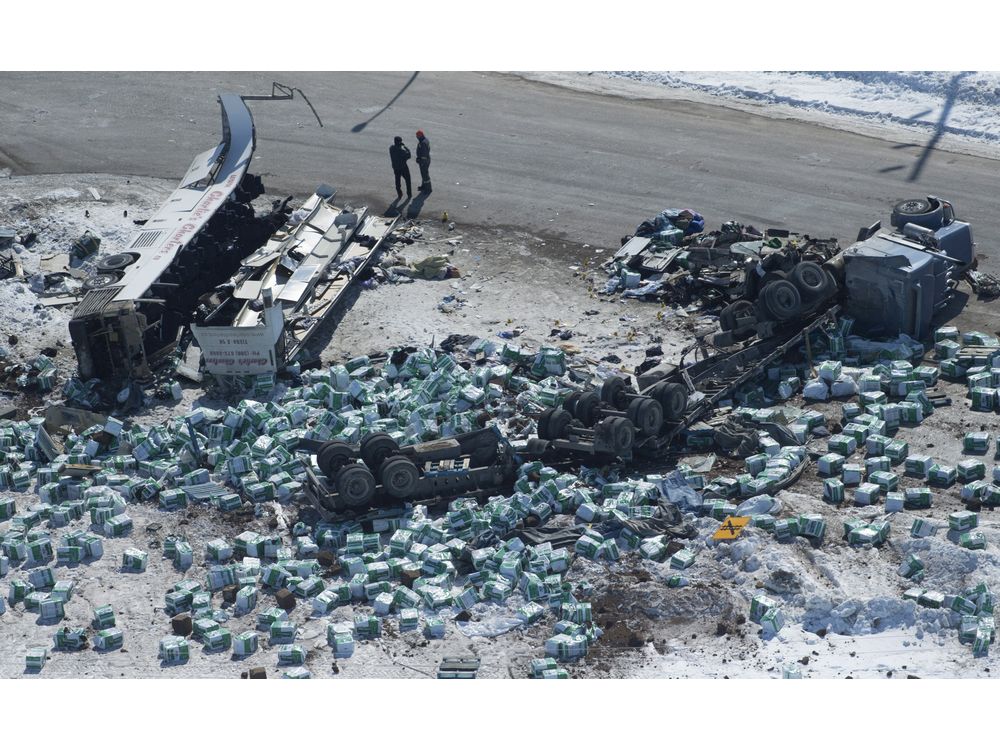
{"x":731,"y":528}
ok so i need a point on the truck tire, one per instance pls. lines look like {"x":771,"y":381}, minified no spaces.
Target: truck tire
{"x":646,"y":414}
{"x":782,"y":300}
{"x":536,"y":447}
{"x":618,"y":434}
{"x":570,"y":403}
{"x":731,"y":313}
{"x":919,"y":211}
{"x":399,"y":477}
{"x":115,"y":262}
{"x":812,"y":281}
{"x":586,"y":408}
{"x":557,"y":423}
{"x":672,"y":398}
{"x":553,"y":422}
{"x":542,"y":424}
{"x":613,"y":390}
{"x":355,"y":485}
{"x":333,"y":456}
{"x":376,"y":447}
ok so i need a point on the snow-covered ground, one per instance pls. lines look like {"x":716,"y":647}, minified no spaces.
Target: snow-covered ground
{"x":959,"y":107}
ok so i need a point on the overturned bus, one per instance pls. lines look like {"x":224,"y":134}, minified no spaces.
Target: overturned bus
{"x":138,"y":302}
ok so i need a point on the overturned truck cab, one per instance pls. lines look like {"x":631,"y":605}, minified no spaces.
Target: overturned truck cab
{"x":139,"y":301}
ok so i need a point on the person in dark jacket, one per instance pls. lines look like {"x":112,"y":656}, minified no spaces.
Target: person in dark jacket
{"x":399,"y":154}
{"x":424,"y":161}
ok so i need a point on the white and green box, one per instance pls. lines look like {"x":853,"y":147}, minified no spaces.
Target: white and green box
{"x":108,"y":639}
{"x":963,"y":520}
{"x":104,"y":617}
{"x":134,"y":560}
{"x":245,"y":643}
{"x":34,"y":658}
{"x":833,"y":490}
{"x":174,"y":649}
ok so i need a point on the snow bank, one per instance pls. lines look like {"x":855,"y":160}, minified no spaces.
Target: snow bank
{"x":961,"y":104}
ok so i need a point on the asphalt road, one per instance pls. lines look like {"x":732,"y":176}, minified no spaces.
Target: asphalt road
{"x":505,"y":151}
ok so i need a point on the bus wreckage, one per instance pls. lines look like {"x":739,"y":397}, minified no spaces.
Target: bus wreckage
{"x":193,"y":265}
{"x":136,"y":305}
{"x":261,"y":318}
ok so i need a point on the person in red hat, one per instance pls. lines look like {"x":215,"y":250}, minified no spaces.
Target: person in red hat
{"x":424,"y":161}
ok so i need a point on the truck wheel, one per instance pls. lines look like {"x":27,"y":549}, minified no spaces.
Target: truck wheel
{"x":672,"y":397}
{"x":570,"y":403}
{"x":536,"y":447}
{"x":333,"y":456}
{"x":543,"y":424}
{"x":919,"y":211}
{"x":356,"y":485}
{"x":811,"y":280}
{"x":731,"y":313}
{"x":115,"y":262}
{"x":376,"y":447}
{"x":559,"y":420}
{"x":399,"y":476}
{"x":646,"y":414}
{"x":612,"y":391}
{"x":782,"y":300}
{"x":586,"y":408}
{"x":618,"y":434}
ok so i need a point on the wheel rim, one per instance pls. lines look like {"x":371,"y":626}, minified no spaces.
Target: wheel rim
{"x":783,"y":300}
{"x":811,"y":275}
{"x":624,"y":434}
{"x":356,"y":485}
{"x":399,"y":477}
{"x":100,"y":280}
{"x":913,"y":206}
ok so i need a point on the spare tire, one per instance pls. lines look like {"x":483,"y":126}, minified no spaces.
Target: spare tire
{"x":920,"y":211}
{"x":782,"y":300}
{"x":812,"y":281}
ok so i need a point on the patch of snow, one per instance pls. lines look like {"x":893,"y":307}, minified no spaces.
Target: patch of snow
{"x":960,"y":108}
